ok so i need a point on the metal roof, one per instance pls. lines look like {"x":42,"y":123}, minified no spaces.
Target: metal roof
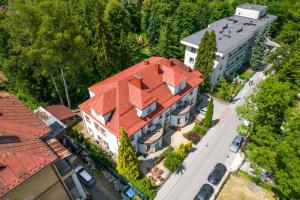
{"x":230,"y":31}
{"x":252,"y":6}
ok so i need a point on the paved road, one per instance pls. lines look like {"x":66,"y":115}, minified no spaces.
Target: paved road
{"x":209,"y":151}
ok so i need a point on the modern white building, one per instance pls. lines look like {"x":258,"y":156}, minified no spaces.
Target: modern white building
{"x":145,"y":100}
{"x":235,"y":38}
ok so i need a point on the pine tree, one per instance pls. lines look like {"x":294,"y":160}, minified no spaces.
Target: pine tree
{"x":259,"y":48}
{"x":128,"y":163}
{"x":116,"y":19}
{"x":205,"y":58}
{"x":207,"y":122}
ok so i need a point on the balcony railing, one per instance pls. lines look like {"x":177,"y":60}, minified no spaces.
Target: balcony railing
{"x":152,"y":136}
{"x":182,"y":109}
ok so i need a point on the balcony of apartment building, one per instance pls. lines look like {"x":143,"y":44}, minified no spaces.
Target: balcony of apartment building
{"x":180,"y":115}
{"x":151,"y":140}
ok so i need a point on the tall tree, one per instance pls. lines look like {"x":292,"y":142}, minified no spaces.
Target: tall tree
{"x":116,"y":19}
{"x":205,"y":58}
{"x":128,"y":163}
{"x":259,"y":49}
{"x":46,"y":28}
{"x":207,"y":122}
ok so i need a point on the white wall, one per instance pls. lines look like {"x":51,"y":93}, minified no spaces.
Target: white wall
{"x":109,"y":137}
{"x":253,"y":14}
{"x":178,"y":88}
{"x":144,"y":112}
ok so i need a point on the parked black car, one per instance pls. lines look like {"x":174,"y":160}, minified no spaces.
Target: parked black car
{"x":205,"y":192}
{"x":217,"y":174}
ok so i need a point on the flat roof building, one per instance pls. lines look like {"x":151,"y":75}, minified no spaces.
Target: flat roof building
{"x":235,"y":36}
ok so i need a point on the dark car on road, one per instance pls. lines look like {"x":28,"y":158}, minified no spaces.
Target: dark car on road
{"x":217,"y":174}
{"x":205,"y":192}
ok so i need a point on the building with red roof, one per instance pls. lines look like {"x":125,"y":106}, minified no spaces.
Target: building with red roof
{"x":144,"y":99}
{"x":63,"y":114}
{"x":29,"y":166}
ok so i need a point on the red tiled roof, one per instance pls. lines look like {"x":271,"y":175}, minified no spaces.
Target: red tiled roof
{"x":61,"y":112}
{"x":23,"y":157}
{"x":21,"y":160}
{"x":12,"y":110}
{"x":154,"y":74}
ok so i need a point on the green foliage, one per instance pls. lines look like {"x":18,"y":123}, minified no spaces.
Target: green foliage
{"x":259,"y":49}
{"x":207,"y":122}
{"x":205,"y":58}
{"x":128,"y":163}
{"x":172,"y":161}
{"x":116,"y":19}
{"x":183,"y":149}
{"x":146,"y":186}
{"x":192,"y":136}
{"x":288,"y":174}
{"x":223,"y":89}
{"x":96,"y":154}
{"x":162,"y":156}
{"x":200,"y":129}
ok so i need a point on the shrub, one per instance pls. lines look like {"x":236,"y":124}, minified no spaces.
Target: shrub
{"x":183,"y":149}
{"x":146,"y":186}
{"x":172,"y":161}
{"x":192,"y":136}
{"x":201,"y":130}
{"x":162,"y":156}
{"x":209,"y":114}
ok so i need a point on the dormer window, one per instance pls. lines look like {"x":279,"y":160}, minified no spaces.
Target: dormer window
{"x":149,"y":110}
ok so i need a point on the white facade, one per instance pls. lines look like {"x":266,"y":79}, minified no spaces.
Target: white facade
{"x":164,"y":119}
{"x":100,"y":133}
{"x":250,"y":13}
{"x":232,"y":53}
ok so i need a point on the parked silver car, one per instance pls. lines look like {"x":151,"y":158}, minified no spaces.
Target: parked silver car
{"x":236,"y":143}
{"x":84,"y":176}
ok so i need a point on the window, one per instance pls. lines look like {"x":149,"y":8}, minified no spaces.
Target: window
{"x":150,"y":124}
{"x":102,"y":130}
{"x":191,"y":92}
{"x":96,"y":125}
{"x":179,"y":101}
{"x":161,"y":116}
{"x":90,"y":130}
{"x":87,"y":118}
{"x":178,"y":121}
{"x":193,"y":50}
{"x":191,"y":60}
{"x":149,"y":110}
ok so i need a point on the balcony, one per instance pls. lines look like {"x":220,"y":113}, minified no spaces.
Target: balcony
{"x":182,"y":109}
{"x":152,"y":136}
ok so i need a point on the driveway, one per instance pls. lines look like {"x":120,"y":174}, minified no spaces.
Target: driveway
{"x":103,"y":189}
{"x":212,"y":149}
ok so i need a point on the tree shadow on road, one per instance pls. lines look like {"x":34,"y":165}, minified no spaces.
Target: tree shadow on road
{"x":215,"y":122}
{"x":181,"y":169}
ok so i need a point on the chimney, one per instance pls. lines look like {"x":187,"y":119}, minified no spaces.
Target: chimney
{"x":146,"y":62}
{"x":137,"y":81}
{"x":155,"y":67}
{"x":172,"y":62}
